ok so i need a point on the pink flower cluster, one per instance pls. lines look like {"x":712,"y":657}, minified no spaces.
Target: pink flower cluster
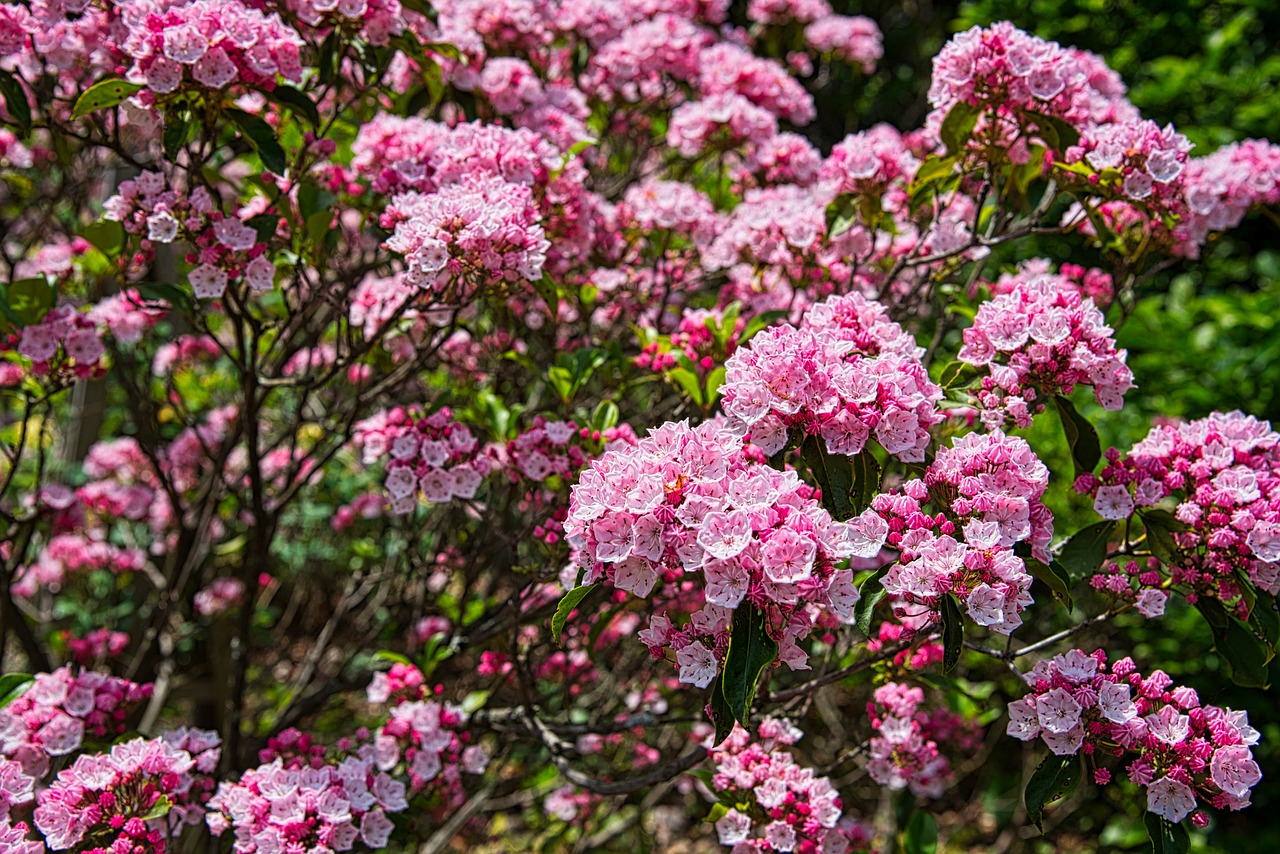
{"x":671,"y":206}
{"x":64,"y":340}
{"x":72,"y":554}
{"x":289,"y":804}
{"x":1225,"y":472}
{"x":904,"y":751}
{"x":208,"y":43}
{"x":479,"y":232}
{"x":222,"y":594}
{"x":1182,"y":752}
{"x":780,"y":804}
{"x":433,"y":456}
{"x":726,"y":67}
{"x":115,"y":801}
{"x":1039,"y":339}
{"x":876,"y":163}
{"x":53,"y":716}
{"x":852,"y":38}
{"x":816,"y":379}
{"x":1149,"y":160}
{"x":427,"y":743}
{"x":689,"y":499}
{"x":1091,"y":282}
{"x":1222,"y":187}
{"x":695,"y":339}
{"x":719,"y":122}
{"x":225,"y":249}
{"x":379,"y":20}
{"x":96,"y":646}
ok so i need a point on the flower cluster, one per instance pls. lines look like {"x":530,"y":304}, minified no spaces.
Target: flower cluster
{"x":671,"y":206}
{"x":53,"y":717}
{"x":1222,"y":187}
{"x":115,"y":801}
{"x":71,"y":554}
{"x":689,"y":499}
{"x":426,"y":740}
{"x":64,"y":341}
{"x":1037,"y":340}
{"x":724,"y":121}
{"x":209,"y":43}
{"x":96,"y":646}
{"x":875,"y":162}
{"x":224,"y":249}
{"x":903,"y":752}
{"x":1148,"y":159}
{"x":1223,"y":469}
{"x":787,"y":807}
{"x":222,"y":594}
{"x":433,"y":456}
{"x":289,"y":803}
{"x":1182,"y":752}
{"x":853,"y":38}
{"x":816,"y":380}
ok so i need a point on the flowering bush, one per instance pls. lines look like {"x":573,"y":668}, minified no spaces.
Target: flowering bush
{"x":423,"y":424}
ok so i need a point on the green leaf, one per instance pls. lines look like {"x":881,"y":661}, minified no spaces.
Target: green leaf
{"x":750,"y":652}
{"x":159,"y":809}
{"x":265,"y":225}
{"x":866,"y":481}
{"x":606,"y":415}
{"x":841,"y":215}
{"x":393,"y":657}
{"x":834,"y":475}
{"x":570,"y":601}
{"x":179,"y":128}
{"x":445,"y":49}
{"x":262,"y":137}
{"x":1083,"y":439}
{"x":871,"y":592}
{"x":1060,"y":134}
{"x":688,"y":381}
{"x":550,"y":293}
{"x":957,"y":375}
{"x":1264,"y":618}
{"x":952,"y":633}
{"x":104,"y":94}
{"x":1084,"y":552}
{"x":1166,"y":837}
{"x":106,"y":235}
{"x":921,"y":834}
{"x":715,"y":379}
{"x":330,"y":56}
{"x":1245,"y":654}
{"x":1053,"y":576}
{"x":932,"y":168}
{"x":721,"y":713}
{"x":15,"y":100}
{"x":957,"y":127}
{"x":296,"y":101}
{"x":29,"y":299}
{"x":162,"y":292}
{"x":12,"y":686}
{"x":1053,"y":778}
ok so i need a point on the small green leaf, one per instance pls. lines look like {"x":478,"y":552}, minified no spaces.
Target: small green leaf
{"x":162,"y":292}
{"x":15,"y":100}
{"x":605,"y":416}
{"x":1060,"y":134}
{"x":952,"y":633}
{"x":445,"y":49}
{"x":1085,"y":551}
{"x":571,"y":600}
{"x":159,"y":809}
{"x":1166,"y":837}
{"x":1053,"y":778}
{"x":103,"y":94}
{"x":957,"y":127}
{"x":296,"y":101}
{"x":262,"y":137}
{"x":330,"y":56}
{"x":834,"y":475}
{"x":265,"y":226}
{"x":715,"y":379}
{"x":921,"y":834}
{"x":393,"y":657}
{"x":179,"y":128}
{"x":957,"y":375}
{"x":12,"y":686}
{"x":871,"y":592}
{"x":1086,"y":450}
{"x":866,"y":481}
{"x":751,"y":650}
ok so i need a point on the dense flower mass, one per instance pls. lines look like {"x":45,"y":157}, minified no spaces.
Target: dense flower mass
{"x":1183,"y":753}
{"x":904,"y":752}
{"x":431,"y":456}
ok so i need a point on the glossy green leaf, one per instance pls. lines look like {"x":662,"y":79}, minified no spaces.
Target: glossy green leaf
{"x":12,"y":686}
{"x":721,"y":713}
{"x":871,"y":593}
{"x":751,"y":650}
{"x":1055,"y":777}
{"x":1246,"y":654}
{"x":104,"y":94}
{"x":1053,"y":576}
{"x":1166,"y":837}
{"x":296,"y":101}
{"x":571,"y":600}
{"x":262,"y":138}
{"x":833,"y":474}
{"x":1086,"y":450}
{"x":921,"y":834}
{"x":1086,"y":549}
{"x":15,"y":100}
{"x":952,"y":633}
{"x":28,"y":300}
{"x":957,"y":127}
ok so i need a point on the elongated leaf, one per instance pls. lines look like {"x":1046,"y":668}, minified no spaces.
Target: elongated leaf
{"x":28,"y":300}
{"x":1166,"y":837}
{"x":12,"y":686}
{"x":872,"y":591}
{"x":1055,"y":777}
{"x":957,"y":127}
{"x":1053,"y":576}
{"x":571,"y":600}
{"x":1084,"y":552}
{"x":1086,"y":450}
{"x":15,"y":100}
{"x":751,"y":650}
{"x":104,"y":94}
{"x":550,"y":293}
{"x":106,"y":235}
{"x":1245,"y":654}
{"x":179,"y":128}
{"x":688,"y":381}
{"x":834,"y":475}
{"x":296,"y":101}
{"x":262,"y":138}
{"x":932,"y":168}
{"x":721,"y":713}
{"x":921,"y":835}
{"x":1264,"y":618}
{"x":159,"y":809}
{"x":866,"y":481}
{"x":952,"y":633}
{"x":1160,"y":525}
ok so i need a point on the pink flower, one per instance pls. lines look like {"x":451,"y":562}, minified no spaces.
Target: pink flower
{"x":1171,"y":799}
{"x":697,"y":665}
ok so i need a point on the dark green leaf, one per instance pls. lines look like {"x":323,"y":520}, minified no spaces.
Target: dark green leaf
{"x":1083,"y":439}
{"x":1245,"y":654}
{"x":1053,"y":576}
{"x":262,"y":137}
{"x":721,"y":713}
{"x":957,"y":375}
{"x":957,"y":127}
{"x":445,"y":49}
{"x":750,"y":651}
{"x":29,"y":299}
{"x":1060,"y":134}
{"x":1264,"y":618}
{"x":1054,"y":778}
{"x":921,"y":835}
{"x":15,"y":100}
{"x":1161,"y":543}
{"x":571,"y":600}
{"x":550,"y":293}
{"x":871,"y":592}
{"x":103,"y":94}
{"x":1084,"y":552}
{"x":178,"y":131}
{"x":161,"y":292}
{"x":330,"y":56}
{"x":866,"y":481}
{"x":834,"y":476}
{"x":1166,"y":837}
{"x":952,"y":633}
{"x":265,"y":225}
{"x":12,"y":686}
{"x":108,"y":236}
{"x":296,"y":101}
